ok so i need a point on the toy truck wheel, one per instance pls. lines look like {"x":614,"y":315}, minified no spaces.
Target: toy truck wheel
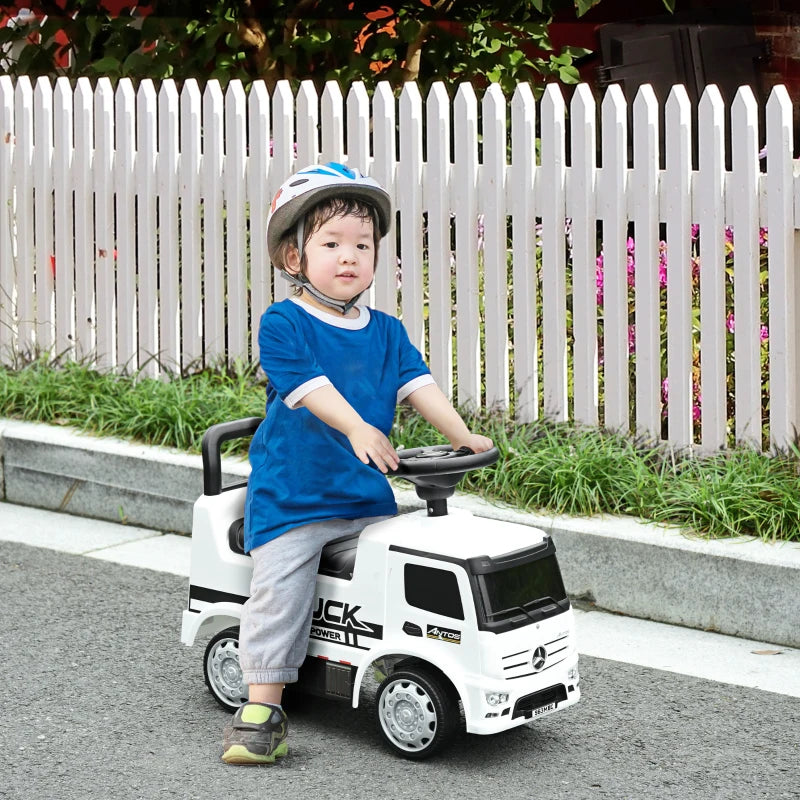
{"x":417,"y":712}
{"x":222,"y":671}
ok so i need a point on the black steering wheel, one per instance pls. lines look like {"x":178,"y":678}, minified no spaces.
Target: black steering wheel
{"x":441,"y":459}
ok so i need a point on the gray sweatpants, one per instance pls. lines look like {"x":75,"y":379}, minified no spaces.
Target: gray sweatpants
{"x":276,"y":619}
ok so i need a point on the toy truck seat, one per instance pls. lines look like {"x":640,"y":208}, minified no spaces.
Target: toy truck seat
{"x":338,"y":557}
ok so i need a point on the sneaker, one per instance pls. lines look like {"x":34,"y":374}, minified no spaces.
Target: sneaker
{"x":256,"y":735}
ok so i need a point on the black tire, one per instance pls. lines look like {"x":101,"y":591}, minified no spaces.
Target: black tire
{"x":222,"y":672}
{"x":417,"y":712}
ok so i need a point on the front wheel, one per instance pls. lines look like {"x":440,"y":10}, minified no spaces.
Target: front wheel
{"x":222,"y":671}
{"x":417,"y":712}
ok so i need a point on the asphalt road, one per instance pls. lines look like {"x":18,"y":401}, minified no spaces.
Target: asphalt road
{"x":100,"y":700}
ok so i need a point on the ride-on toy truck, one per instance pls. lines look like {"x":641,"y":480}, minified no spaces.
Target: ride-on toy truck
{"x":448,"y":606}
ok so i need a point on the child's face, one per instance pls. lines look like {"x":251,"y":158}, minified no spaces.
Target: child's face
{"x":340,"y":257}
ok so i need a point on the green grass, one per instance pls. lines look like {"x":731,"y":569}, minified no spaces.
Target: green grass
{"x":544,"y":467}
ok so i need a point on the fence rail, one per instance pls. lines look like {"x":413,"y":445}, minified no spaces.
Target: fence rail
{"x":600,"y":286}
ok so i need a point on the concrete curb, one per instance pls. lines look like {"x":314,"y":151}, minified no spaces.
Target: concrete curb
{"x":740,"y":587}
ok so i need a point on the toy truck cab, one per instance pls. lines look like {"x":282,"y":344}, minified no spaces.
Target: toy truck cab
{"x":447,"y":607}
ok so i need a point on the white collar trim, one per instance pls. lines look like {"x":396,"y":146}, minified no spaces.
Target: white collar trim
{"x":353,"y":324}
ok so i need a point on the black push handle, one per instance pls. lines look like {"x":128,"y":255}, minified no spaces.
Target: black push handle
{"x":213,"y":439}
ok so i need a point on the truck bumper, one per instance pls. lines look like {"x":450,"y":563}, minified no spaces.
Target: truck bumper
{"x":528,"y":699}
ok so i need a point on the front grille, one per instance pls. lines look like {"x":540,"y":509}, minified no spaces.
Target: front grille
{"x":518,"y":665}
{"x":525,"y":706}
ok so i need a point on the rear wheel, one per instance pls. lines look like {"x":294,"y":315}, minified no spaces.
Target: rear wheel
{"x":417,"y":712}
{"x":222,"y":671}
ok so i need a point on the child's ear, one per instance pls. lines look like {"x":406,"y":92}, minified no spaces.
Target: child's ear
{"x":292,"y":263}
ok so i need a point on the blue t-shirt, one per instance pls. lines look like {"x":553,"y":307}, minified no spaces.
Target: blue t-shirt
{"x":302,"y":469}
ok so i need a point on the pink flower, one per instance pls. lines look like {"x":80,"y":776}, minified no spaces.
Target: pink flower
{"x":631,"y":270}
{"x":730,"y":323}
{"x":662,"y":264}
{"x":598,"y":278}
{"x":764,"y":333}
{"x":763,"y":237}
{"x":695,"y":232}
{"x":631,"y":339}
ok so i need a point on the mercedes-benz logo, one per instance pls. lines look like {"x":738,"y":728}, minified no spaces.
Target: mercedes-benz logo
{"x":539,"y":659}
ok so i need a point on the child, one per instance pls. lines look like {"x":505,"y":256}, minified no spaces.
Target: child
{"x":336,"y":371}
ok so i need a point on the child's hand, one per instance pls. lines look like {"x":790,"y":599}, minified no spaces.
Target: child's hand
{"x":369,"y":443}
{"x":475,"y":442}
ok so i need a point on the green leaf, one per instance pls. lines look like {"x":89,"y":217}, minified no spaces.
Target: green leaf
{"x":582,"y":6}
{"x":106,"y":66}
{"x":569,"y":75}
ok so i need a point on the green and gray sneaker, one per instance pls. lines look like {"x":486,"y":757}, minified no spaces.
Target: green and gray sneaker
{"x":256,"y":735}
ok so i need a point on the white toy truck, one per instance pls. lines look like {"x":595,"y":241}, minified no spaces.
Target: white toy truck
{"x":449,"y":606}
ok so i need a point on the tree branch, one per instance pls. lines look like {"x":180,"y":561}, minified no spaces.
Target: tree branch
{"x":414,"y":50}
{"x":252,"y":34}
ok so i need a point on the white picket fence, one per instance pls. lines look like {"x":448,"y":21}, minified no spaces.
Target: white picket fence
{"x":132,"y":234}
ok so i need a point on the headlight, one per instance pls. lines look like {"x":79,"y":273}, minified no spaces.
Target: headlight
{"x":496,"y":698}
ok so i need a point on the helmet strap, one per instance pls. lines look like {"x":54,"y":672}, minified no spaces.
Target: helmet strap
{"x":301,"y":232}
{"x":302,"y":282}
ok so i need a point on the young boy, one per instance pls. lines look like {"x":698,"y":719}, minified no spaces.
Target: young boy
{"x":336,"y":371}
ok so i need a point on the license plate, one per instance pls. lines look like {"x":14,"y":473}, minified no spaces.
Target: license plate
{"x":537,"y":712}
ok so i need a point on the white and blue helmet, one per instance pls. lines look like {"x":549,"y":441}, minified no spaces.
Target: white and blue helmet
{"x":310,"y":186}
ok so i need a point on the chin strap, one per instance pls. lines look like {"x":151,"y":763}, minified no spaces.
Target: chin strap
{"x":337,"y":305}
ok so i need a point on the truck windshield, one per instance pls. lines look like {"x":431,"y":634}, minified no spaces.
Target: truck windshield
{"x":521,"y":594}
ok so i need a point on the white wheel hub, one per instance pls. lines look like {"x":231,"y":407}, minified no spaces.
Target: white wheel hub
{"x":407,"y":715}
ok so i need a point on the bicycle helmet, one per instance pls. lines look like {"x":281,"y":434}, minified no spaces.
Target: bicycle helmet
{"x":304,"y":190}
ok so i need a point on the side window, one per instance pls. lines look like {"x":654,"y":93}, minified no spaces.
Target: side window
{"x":434,"y":590}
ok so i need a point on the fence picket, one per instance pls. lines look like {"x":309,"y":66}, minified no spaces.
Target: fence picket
{"x":238,"y":322}
{"x":644,"y":188}
{"x":581,"y":203}
{"x":332,"y":116}
{"x":437,"y":202}
{"x":43,"y":213}
{"x":212,"y":176}
{"x":105,"y":245}
{"x":495,"y":233}
{"x":383,"y":170}
{"x":25,"y":308}
{"x":307,"y":124}
{"x":125,"y":110}
{"x":146,"y":227}
{"x":465,"y":205}
{"x":169,"y":304}
{"x":190,"y":225}
{"x":677,"y":202}
{"x":64,"y":217}
{"x":258,"y":192}
{"x":524,"y":268}
{"x":552,"y":179}
{"x":357,"y":110}
{"x":84,"y":218}
{"x":7,"y":249}
{"x":782,"y":243}
{"x":613,"y":212}
{"x":747,"y":322}
{"x":710,"y":216}
{"x":409,"y":203}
